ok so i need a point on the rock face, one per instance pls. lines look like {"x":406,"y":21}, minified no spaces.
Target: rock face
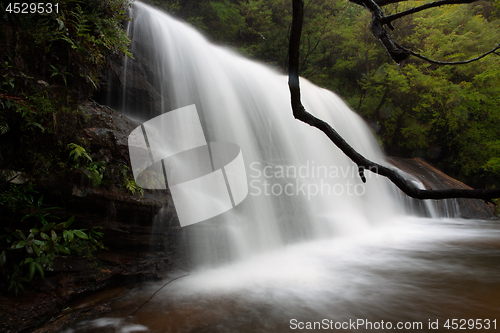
{"x":136,"y":77}
{"x":434,"y":179}
{"x":142,"y":233}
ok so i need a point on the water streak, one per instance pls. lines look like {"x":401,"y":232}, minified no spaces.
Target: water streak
{"x":247,"y":103}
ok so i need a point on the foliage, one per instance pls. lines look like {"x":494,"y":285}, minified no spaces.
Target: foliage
{"x":50,"y":63}
{"x":447,"y":114}
{"x":68,"y":47}
{"x":35,"y":241}
{"x":78,"y":151}
{"x":94,"y":170}
{"x":129,"y":182}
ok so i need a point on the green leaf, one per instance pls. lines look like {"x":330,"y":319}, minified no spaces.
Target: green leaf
{"x":53,"y":236}
{"x":3,"y":258}
{"x":47,"y":226}
{"x":80,"y":234}
{"x":27,"y":216}
{"x":60,"y":226}
{"x":51,"y":208}
{"x":18,"y":245}
{"x":32,"y":270}
{"x":71,"y":235}
{"x":78,"y":151}
{"x":40,"y":269}
{"x":62,"y":249}
{"x":69,"y":222}
{"x":36,"y":248}
{"x":28,"y":260}
{"x":21,"y":234}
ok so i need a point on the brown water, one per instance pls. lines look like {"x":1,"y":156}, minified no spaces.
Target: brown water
{"x":415,"y":274}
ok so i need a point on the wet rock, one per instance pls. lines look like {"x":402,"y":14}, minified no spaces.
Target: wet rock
{"x":141,"y":233}
{"x":433,"y":178}
{"x":143,"y":97}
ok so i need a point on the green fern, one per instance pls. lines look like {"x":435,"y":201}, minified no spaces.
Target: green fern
{"x":78,"y":151}
{"x":132,"y":186}
{"x":130,"y":183}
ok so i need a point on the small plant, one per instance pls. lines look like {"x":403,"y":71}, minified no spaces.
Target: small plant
{"x":132,"y":187}
{"x":130,"y":183}
{"x":28,"y":251}
{"x":62,"y":73}
{"x":77,"y":152}
{"x":94,"y":170}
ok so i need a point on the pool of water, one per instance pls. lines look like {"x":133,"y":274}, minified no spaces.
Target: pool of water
{"x":414,"y":275}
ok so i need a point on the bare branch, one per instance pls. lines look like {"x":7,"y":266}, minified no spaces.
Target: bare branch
{"x":8,"y":181}
{"x":377,"y":29}
{"x":449,"y":62}
{"x":363,"y":163}
{"x":396,"y":51}
{"x":382,"y":3}
{"x":390,"y":18}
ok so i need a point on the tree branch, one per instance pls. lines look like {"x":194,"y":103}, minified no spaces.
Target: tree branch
{"x":363,"y":163}
{"x":377,"y":29}
{"x":449,"y":62}
{"x":396,"y":51}
{"x":382,"y":3}
{"x":390,"y":18}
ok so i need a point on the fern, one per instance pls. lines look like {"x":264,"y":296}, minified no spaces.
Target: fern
{"x":78,"y":151}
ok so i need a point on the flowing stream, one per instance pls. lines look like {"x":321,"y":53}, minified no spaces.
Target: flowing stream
{"x":311,"y":243}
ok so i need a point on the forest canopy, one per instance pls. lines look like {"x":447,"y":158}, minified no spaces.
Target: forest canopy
{"x":448,"y":115}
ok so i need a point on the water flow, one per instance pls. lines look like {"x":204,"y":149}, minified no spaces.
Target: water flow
{"x":415,"y":273}
{"x":301,"y":186}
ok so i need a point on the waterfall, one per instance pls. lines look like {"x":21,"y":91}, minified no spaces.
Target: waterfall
{"x":301,"y":186}
{"x":290,"y":255}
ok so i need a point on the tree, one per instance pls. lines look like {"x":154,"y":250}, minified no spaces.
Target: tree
{"x":398,"y":53}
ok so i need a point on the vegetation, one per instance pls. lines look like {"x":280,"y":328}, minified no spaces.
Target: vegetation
{"x":33,"y":237}
{"x":50,"y":63}
{"x":446,"y":114}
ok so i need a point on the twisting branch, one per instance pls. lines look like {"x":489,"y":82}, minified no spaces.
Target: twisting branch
{"x":390,"y":18}
{"x":382,"y":3}
{"x":396,"y":51}
{"x":363,"y":163}
{"x":377,"y":29}
{"x":449,"y":62}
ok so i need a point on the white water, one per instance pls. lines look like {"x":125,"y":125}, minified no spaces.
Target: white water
{"x":419,"y":271}
{"x":247,"y":103}
{"x":276,"y":258}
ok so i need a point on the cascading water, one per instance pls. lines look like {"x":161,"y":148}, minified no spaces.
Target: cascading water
{"x":301,"y":259}
{"x":300,"y":185}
